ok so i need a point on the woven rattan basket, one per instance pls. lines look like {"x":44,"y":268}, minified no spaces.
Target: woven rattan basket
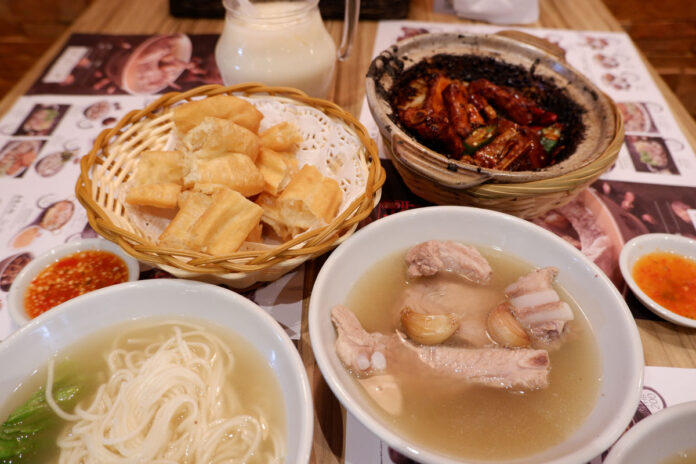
{"x":435,"y":183}
{"x":107,"y":167}
{"x":526,"y":194}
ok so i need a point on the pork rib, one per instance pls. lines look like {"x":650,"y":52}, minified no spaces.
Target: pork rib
{"x":366,"y":354}
{"x":537,"y":306}
{"x":525,"y":369}
{"x":429,"y":258}
{"x":360,"y":351}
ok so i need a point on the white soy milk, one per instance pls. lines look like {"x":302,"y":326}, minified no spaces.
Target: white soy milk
{"x":278,"y":43}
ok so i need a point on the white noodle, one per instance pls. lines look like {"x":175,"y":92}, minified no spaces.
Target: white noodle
{"x":166,"y":402}
{"x":49,"y":397}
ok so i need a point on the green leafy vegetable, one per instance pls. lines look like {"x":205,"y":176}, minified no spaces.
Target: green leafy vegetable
{"x":33,"y":426}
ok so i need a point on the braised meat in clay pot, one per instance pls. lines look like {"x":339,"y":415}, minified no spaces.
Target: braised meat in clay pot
{"x":520,"y":122}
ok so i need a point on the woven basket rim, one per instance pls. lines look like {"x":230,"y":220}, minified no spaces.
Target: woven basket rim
{"x":306,"y":245}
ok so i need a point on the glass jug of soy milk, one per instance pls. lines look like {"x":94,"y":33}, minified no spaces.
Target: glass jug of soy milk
{"x":281,"y":43}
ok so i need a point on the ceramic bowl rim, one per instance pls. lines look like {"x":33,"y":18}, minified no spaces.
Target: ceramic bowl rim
{"x":641,"y":431}
{"x":170,"y":286}
{"x":322,"y":354}
{"x":653,"y":242}
{"x":15,"y":295}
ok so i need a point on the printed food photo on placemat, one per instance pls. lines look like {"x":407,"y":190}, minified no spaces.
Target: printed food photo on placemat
{"x":93,"y":64}
{"x":86,"y":232}
{"x":408,"y":32}
{"x":609,"y":61}
{"x":645,"y":208}
{"x":650,"y":154}
{"x":11,"y":266}
{"x":98,"y":114}
{"x":52,"y":216}
{"x":17,"y":155}
{"x":619,"y":81}
{"x":152,"y":66}
{"x":588,"y":224}
{"x":42,"y":120}
{"x":51,"y":164}
{"x":596,"y":42}
{"x":636,"y":117}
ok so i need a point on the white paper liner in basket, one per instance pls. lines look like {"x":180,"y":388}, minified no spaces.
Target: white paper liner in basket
{"x":327,"y":143}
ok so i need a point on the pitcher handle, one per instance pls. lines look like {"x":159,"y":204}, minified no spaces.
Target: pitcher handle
{"x":350,"y":24}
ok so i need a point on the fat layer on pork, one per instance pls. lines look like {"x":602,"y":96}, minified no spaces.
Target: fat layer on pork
{"x":537,"y":305}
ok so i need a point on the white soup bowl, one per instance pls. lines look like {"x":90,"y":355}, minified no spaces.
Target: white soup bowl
{"x":615,"y":330}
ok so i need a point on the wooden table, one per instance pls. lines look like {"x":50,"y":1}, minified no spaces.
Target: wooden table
{"x":664,"y":344}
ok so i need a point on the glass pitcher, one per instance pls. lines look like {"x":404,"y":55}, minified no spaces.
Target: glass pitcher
{"x":281,"y":43}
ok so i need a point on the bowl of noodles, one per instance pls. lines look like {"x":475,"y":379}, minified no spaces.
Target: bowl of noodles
{"x":464,"y":335}
{"x":167,"y":370}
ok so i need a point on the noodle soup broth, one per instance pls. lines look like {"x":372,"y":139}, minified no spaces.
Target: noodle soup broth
{"x":477,"y":422}
{"x":246,"y":383}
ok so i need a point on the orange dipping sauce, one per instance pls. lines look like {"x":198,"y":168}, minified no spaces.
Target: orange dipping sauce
{"x":71,"y":276}
{"x":670,"y":280}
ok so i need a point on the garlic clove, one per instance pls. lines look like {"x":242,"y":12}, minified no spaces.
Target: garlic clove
{"x":505,"y":329}
{"x":428,"y":329}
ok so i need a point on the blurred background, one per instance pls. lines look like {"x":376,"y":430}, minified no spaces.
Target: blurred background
{"x":663,"y":30}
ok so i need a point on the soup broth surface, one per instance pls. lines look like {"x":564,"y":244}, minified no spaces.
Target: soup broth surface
{"x":251,"y":378}
{"x":475,"y":422}
{"x":683,"y":457}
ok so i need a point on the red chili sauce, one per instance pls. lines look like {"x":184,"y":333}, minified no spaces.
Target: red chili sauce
{"x":72,"y":276}
{"x":670,"y":280}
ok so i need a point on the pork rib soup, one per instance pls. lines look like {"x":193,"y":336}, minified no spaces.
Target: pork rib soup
{"x":469,"y":351}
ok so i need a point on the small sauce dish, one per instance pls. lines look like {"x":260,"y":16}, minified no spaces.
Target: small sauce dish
{"x":18,"y":290}
{"x":643,"y":245}
{"x":659,"y":438}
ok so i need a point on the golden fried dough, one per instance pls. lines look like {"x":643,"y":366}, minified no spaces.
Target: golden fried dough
{"x":237,"y":110}
{"x":284,"y":136}
{"x":255,"y":235}
{"x":215,"y":137}
{"x":222,"y":163}
{"x":159,"y":195}
{"x":208,"y":189}
{"x":191,"y":207}
{"x":310,"y":199}
{"x":159,"y":167}
{"x":277,"y":169}
{"x":233,"y":170}
{"x":271,"y":216}
{"x":225,"y":224}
